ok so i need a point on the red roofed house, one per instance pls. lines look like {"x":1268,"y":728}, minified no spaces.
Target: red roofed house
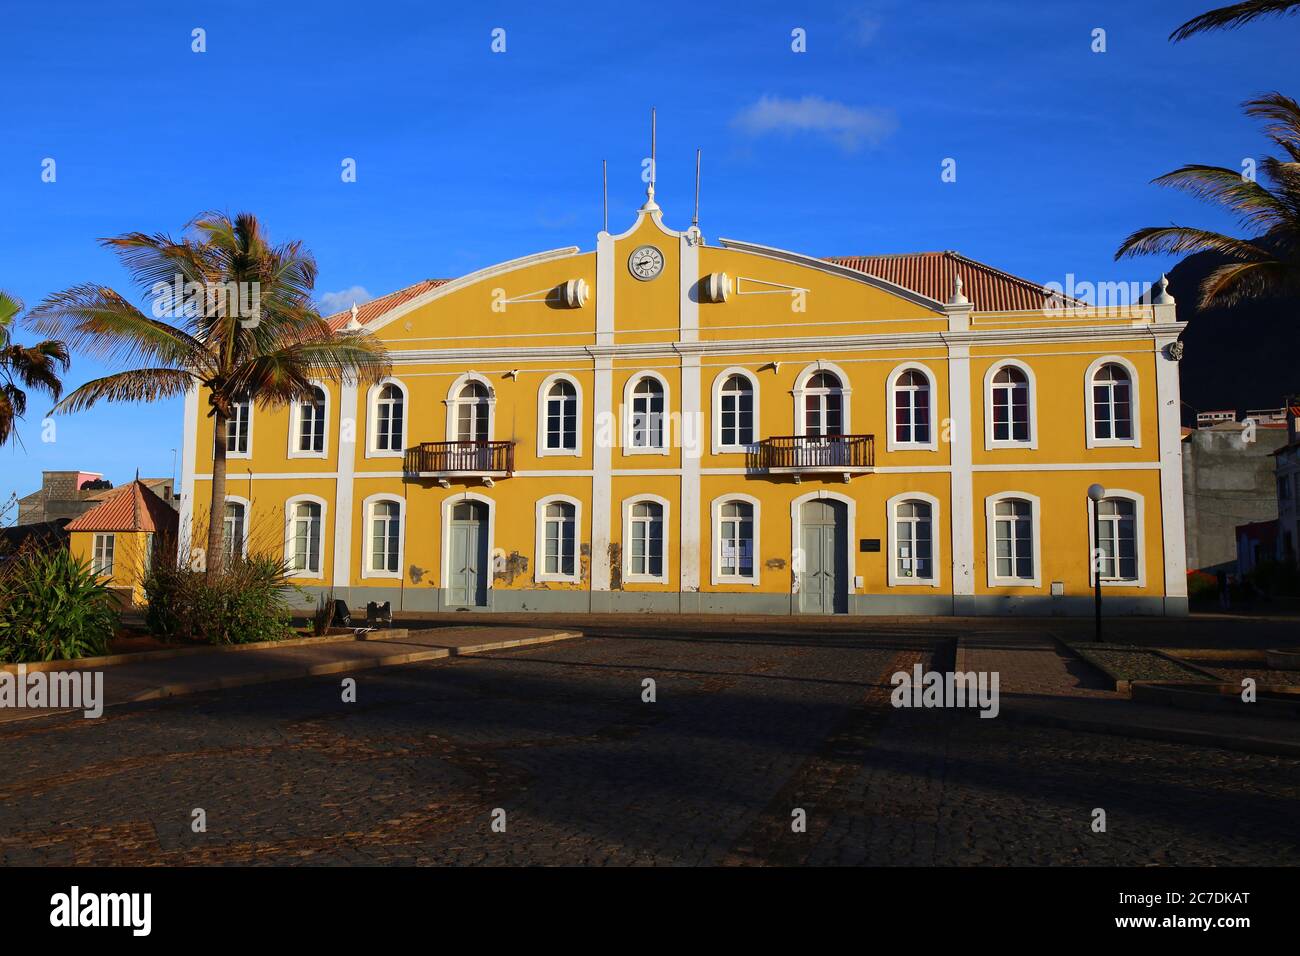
{"x":118,"y":537}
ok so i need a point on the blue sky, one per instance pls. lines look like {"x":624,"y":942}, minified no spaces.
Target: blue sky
{"x":467,"y":157}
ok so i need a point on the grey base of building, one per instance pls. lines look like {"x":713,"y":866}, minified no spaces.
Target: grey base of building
{"x":543,"y":601}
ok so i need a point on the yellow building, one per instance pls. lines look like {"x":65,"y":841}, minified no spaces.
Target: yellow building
{"x":663,"y":424}
{"x":118,"y":537}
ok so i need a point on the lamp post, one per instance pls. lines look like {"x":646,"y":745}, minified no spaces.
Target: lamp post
{"x":1095,"y":493}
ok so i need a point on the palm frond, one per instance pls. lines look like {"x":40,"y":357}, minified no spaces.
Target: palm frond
{"x":98,"y":321}
{"x":137,"y":385}
{"x":1283,"y":116}
{"x":287,"y":373}
{"x":1230,"y":283}
{"x":1177,"y":240}
{"x":10,"y":306}
{"x":36,"y":366}
{"x":1253,"y":205}
{"x":1233,"y":16}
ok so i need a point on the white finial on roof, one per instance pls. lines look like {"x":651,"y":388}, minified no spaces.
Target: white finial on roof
{"x":354,"y":323}
{"x":1163,"y":297}
{"x":957,"y":297}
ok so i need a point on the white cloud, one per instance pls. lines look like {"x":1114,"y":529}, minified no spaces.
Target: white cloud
{"x":332,"y":302}
{"x":850,"y":126}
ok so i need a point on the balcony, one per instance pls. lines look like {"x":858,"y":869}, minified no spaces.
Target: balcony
{"x":444,"y":460}
{"x":798,"y":455}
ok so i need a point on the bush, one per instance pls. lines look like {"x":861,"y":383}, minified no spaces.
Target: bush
{"x":53,"y":608}
{"x":247,"y":602}
{"x":1201,"y":586}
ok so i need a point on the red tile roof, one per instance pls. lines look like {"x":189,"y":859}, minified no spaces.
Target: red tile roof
{"x":132,"y":508}
{"x":376,"y":307}
{"x":931,"y":274}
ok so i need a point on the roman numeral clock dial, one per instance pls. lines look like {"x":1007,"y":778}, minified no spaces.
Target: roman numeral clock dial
{"x":646,"y":262}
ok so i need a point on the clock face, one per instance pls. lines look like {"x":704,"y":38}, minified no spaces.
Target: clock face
{"x":646,"y":262}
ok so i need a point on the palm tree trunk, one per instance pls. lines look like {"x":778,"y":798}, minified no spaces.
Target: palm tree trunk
{"x":217,"y":510}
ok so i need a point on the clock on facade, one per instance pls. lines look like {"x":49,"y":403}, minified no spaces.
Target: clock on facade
{"x":646,"y":262}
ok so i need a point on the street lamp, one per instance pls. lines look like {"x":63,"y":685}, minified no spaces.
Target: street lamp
{"x":1096,"y":492}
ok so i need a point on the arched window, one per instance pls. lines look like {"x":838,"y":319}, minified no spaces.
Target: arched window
{"x":1009,"y":398}
{"x":559,"y":536}
{"x":912,"y":408}
{"x":1117,"y":548}
{"x":385,"y":537}
{"x":735,"y":536}
{"x":390,"y":418}
{"x":823,"y":405}
{"x":643,"y":544}
{"x":647,"y":425}
{"x":561,"y":416}
{"x":1112,"y":403}
{"x":1013,"y":541}
{"x":473,"y":412}
{"x":305,"y":537}
{"x":913,"y":541}
{"x":309,"y":431}
{"x":736,"y":412}
{"x":234,"y":535}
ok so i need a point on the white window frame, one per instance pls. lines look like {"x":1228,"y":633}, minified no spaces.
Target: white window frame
{"x":372,"y":420}
{"x":452,"y":404}
{"x":715,"y":509}
{"x":295,"y":425}
{"x":248,"y":450}
{"x":666,"y":428}
{"x":801,"y":386}
{"x":989,"y":442}
{"x":368,"y":569}
{"x":109,"y":542}
{"x":540,"y":574}
{"x":894,"y":579}
{"x":1090,"y":414}
{"x":289,"y":506}
{"x":543,"y":391}
{"x":1139,"y":540}
{"x":628,"y":576}
{"x":990,"y":544}
{"x":247,"y":506}
{"x":851,"y":530}
{"x":891,"y":384}
{"x":720,"y":380}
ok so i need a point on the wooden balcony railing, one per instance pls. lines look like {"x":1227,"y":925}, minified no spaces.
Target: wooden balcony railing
{"x":811,"y":453}
{"x":492,"y":458}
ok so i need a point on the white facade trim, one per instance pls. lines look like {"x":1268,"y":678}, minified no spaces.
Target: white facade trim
{"x":691,"y":442}
{"x":1169,"y":416}
{"x":444,"y":571}
{"x":602,"y":460}
{"x":960,"y":449}
{"x":796,"y":535}
{"x":189,"y":452}
{"x":343,"y":485}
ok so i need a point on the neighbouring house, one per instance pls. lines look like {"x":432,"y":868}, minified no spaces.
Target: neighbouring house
{"x":119,"y":537}
{"x":664,"y":424}
{"x":1256,"y":543}
{"x":1228,"y":481}
{"x":69,"y":494}
{"x":1286,"y":462}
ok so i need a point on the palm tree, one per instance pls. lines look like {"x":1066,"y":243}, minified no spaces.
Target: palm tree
{"x":1267,"y":263}
{"x":1234,"y":15}
{"x":24,"y":367}
{"x":269,"y":357}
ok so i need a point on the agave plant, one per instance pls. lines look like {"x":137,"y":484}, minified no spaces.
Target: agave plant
{"x":24,"y":367}
{"x":269,"y":358}
{"x":1265,"y":263}
{"x":54,"y":607}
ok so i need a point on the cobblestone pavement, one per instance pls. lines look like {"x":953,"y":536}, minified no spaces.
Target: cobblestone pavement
{"x":745,"y":729}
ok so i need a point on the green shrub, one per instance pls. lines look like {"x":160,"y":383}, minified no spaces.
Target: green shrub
{"x":323,"y":616}
{"x":247,"y":602}
{"x":53,"y":607}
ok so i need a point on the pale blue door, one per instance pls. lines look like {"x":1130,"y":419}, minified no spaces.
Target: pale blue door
{"x":467,"y":585}
{"x":823,"y":582}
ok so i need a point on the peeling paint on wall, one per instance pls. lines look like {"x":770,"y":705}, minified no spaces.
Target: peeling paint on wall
{"x":615,"y":566}
{"x":514,"y":565}
{"x":774,"y":564}
{"x":417,"y":574}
